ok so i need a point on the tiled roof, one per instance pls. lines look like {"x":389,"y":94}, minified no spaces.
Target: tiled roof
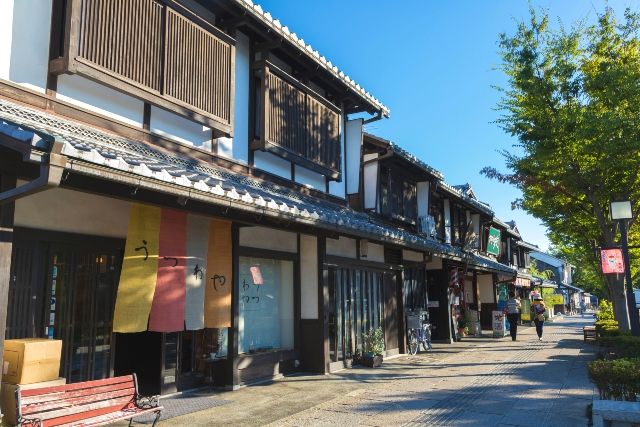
{"x":284,"y":31}
{"x":93,"y":146}
{"x":401,"y":152}
{"x":473,"y":202}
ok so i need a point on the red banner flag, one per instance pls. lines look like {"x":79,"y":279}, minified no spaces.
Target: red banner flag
{"x":167,"y":311}
{"x":612,"y":261}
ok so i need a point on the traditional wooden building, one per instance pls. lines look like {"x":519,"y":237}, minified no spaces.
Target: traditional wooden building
{"x":186,"y":193}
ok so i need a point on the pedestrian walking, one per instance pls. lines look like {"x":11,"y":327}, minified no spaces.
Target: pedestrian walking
{"x":583,"y":307}
{"x":513,"y":314}
{"x":538,"y":312}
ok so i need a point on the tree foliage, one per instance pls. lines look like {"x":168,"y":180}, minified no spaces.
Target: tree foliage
{"x":573,"y":102}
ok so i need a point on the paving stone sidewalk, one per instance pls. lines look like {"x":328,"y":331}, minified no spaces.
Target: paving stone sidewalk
{"x":479,"y":381}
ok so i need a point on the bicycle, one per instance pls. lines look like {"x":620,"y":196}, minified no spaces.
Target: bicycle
{"x":419,"y":333}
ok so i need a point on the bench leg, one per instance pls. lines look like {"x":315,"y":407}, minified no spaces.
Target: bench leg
{"x":157,"y":418}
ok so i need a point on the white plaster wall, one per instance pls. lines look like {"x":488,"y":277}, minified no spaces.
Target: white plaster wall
{"x":375,"y":252}
{"x":71,"y":211}
{"x":25,"y":33}
{"x":6,"y":36}
{"x":370,"y":177}
{"x":412,"y":256}
{"x":434,"y":264}
{"x":447,"y":221}
{"x":308,"y":277}
{"x":286,"y":304}
{"x":99,"y":98}
{"x":485,"y":288}
{"x":344,"y":247}
{"x":338,"y":188}
{"x":310,"y":178}
{"x":271,"y":163}
{"x":180,"y":128}
{"x":237,"y":148}
{"x":269,"y":238}
{"x":423,"y":198}
{"x":353,"y":153}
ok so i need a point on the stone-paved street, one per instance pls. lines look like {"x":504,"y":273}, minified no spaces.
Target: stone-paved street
{"x":477,"y":382}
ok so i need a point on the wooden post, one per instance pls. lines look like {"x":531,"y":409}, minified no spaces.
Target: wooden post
{"x":7,"y":210}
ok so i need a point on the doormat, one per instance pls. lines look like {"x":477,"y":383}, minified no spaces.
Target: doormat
{"x":181,"y":404}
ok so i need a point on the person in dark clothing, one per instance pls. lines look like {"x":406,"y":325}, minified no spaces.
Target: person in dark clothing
{"x":538,"y":316}
{"x":513,"y":314}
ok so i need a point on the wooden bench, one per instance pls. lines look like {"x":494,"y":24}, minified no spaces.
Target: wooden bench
{"x":90,"y":403}
{"x":589,"y":332}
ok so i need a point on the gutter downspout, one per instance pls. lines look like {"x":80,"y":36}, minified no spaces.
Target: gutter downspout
{"x":50,"y":176}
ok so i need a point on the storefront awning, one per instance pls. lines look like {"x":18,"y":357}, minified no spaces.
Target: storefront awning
{"x":93,"y":152}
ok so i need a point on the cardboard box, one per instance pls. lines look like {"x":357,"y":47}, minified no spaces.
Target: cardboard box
{"x":8,"y":397}
{"x":31,"y":360}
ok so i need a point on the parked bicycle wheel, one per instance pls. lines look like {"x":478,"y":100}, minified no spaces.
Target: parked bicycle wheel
{"x":413,"y":343}
{"x":426,"y":343}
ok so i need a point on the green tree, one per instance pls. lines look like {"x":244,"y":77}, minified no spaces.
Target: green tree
{"x":533,"y":270}
{"x":573,"y":102}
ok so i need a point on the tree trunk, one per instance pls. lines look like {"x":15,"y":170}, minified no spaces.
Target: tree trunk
{"x":619,"y":300}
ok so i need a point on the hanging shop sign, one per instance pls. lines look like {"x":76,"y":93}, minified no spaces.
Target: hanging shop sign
{"x":217,"y":299}
{"x":139,"y":270}
{"x":612,"y":261}
{"x":493,"y":245}
{"x":167,"y":309}
{"x":176,"y":272}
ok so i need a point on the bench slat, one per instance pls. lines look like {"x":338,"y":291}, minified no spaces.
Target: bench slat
{"x":77,"y":386}
{"x":43,"y":408}
{"x":63,"y":395}
{"x":69,"y":409}
{"x":72,"y":419}
{"x":115,"y":416}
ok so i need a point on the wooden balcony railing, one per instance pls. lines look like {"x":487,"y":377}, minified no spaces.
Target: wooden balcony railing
{"x":299,"y":124}
{"x":153,"y":52}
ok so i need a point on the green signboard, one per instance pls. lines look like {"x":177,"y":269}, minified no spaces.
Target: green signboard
{"x":553,"y":299}
{"x":493,"y":246}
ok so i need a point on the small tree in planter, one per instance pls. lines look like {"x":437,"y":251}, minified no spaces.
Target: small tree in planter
{"x":374,"y":346}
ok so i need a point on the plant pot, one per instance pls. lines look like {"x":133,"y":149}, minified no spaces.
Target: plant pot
{"x":462,"y":332}
{"x":348,"y":363}
{"x":372,"y":361}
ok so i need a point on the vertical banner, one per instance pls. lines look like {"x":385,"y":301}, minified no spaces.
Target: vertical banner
{"x":196,"y":270}
{"x":139,"y":269}
{"x":167,"y":311}
{"x":217,"y":305}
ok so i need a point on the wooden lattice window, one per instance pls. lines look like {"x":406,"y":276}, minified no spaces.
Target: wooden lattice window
{"x":151,"y":51}
{"x":298,"y":123}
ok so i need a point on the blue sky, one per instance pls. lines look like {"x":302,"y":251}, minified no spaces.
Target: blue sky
{"x":433,"y":63}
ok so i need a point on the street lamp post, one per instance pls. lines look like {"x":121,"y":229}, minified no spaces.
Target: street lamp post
{"x":622,"y":212}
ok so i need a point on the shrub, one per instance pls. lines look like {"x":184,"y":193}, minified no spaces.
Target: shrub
{"x":374,"y":341}
{"x":615,"y":347}
{"x":616,"y":379}
{"x":605,"y":310}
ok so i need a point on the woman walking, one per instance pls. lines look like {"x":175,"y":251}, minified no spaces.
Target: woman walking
{"x":513,"y":314}
{"x":538,"y":312}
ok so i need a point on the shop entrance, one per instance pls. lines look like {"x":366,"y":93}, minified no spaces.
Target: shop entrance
{"x":63,"y":286}
{"x":357,"y":302}
{"x":81,"y":289}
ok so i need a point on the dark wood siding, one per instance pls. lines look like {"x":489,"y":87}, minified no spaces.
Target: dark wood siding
{"x":198,"y":70}
{"x":125,"y":38}
{"x":299,"y":124}
{"x":149,"y":50}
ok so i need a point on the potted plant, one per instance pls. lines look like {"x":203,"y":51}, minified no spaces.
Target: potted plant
{"x":463,"y":327}
{"x":348,"y":360}
{"x":374,"y":346}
